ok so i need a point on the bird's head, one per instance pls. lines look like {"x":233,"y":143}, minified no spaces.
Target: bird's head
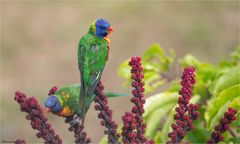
{"x":52,"y":104}
{"x":101,"y":28}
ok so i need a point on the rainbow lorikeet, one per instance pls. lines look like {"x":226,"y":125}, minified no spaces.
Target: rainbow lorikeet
{"x":64,"y":102}
{"x":93,"y":52}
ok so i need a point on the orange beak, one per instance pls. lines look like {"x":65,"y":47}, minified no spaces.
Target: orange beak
{"x":110,"y":29}
{"x":48,"y":110}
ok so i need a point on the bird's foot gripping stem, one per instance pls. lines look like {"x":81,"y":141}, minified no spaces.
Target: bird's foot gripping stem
{"x":72,"y":120}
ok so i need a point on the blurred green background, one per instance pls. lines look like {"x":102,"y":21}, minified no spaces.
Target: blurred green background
{"x":39,"y":48}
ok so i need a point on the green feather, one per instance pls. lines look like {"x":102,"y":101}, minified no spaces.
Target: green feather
{"x":92,"y":56}
{"x":73,"y":92}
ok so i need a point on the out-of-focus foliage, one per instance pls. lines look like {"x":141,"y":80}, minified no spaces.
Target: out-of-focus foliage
{"x":154,"y":61}
{"x":217,"y":87}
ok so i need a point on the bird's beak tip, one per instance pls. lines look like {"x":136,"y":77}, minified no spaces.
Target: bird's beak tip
{"x":47,"y":110}
{"x":110,"y":29}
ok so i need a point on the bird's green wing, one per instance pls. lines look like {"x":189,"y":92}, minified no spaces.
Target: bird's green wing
{"x":68,"y":96}
{"x":92,"y":55}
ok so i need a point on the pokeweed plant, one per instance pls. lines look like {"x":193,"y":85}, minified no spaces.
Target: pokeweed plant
{"x":199,"y":109}
{"x":217,"y":88}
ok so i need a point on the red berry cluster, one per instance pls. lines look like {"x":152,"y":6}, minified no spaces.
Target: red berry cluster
{"x":52,"y":90}
{"x":223,"y":126}
{"x":35,"y":114}
{"x":129,"y":125}
{"x":105,"y":114}
{"x":185,"y":112}
{"x":79,"y":134}
{"x":134,"y":128}
{"x":20,"y":141}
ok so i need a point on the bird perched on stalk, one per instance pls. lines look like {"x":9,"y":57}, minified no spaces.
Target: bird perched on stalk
{"x":64,"y":102}
{"x":93,"y":52}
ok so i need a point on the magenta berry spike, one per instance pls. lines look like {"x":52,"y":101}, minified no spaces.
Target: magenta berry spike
{"x":138,"y":97}
{"x":35,"y":114}
{"x":129,"y":125}
{"x":133,"y":129}
{"x":223,"y":126}
{"x":185,"y":112}
{"x":105,"y":114}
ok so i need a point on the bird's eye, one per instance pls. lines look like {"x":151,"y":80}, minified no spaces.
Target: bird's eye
{"x":102,"y":27}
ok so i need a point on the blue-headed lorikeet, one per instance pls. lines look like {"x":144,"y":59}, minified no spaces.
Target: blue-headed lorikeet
{"x":64,"y":102}
{"x":93,"y":52}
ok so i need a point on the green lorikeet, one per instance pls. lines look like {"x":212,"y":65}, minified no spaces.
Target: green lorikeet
{"x":93,"y":52}
{"x":64,"y":102}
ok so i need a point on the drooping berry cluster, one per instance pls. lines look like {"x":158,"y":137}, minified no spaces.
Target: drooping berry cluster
{"x":35,"y":114}
{"x":185,"y":112}
{"x":134,"y":128}
{"x":20,"y":141}
{"x":223,"y":126}
{"x":77,"y":128}
{"x":105,"y":114}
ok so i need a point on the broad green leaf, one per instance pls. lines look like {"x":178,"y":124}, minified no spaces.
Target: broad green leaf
{"x":219,"y":115}
{"x":190,"y":60}
{"x":167,"y":126}
{"x":124,"y":70}
{"x":227,"y":80}
{"x":154,"y":121}
{"x":235,"y":140}
{"x":198,"y":134}
{"x":226,"y":96}
{"x":157,"y":101}
{"x":155,"y":55}
{"x":235,"y":103}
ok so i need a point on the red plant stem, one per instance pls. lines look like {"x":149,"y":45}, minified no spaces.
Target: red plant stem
{"x":35,"y":114}
{"x":223,"y":126}
{"x":186,"y":112}
{"x":101,"y":105}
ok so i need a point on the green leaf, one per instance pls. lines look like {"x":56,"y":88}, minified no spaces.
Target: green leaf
{"x":224,"y":99}
{"x":156,"y":56}
{"x":198,"y":135}
{"x":190,"y":60}
{"x":219,"y":115}
{"x":157,"y":101}
{"x":227,"y":80}
{"x":167,"y":126}
{"x":154,"y":121}
{"x":235,"y":140}
{"x":235,"y":103}
{"x":124,"y":70}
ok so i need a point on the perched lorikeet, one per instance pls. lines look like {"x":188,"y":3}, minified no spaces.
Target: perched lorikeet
{"x":64,"y":102}
{"x":93,"y":52}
